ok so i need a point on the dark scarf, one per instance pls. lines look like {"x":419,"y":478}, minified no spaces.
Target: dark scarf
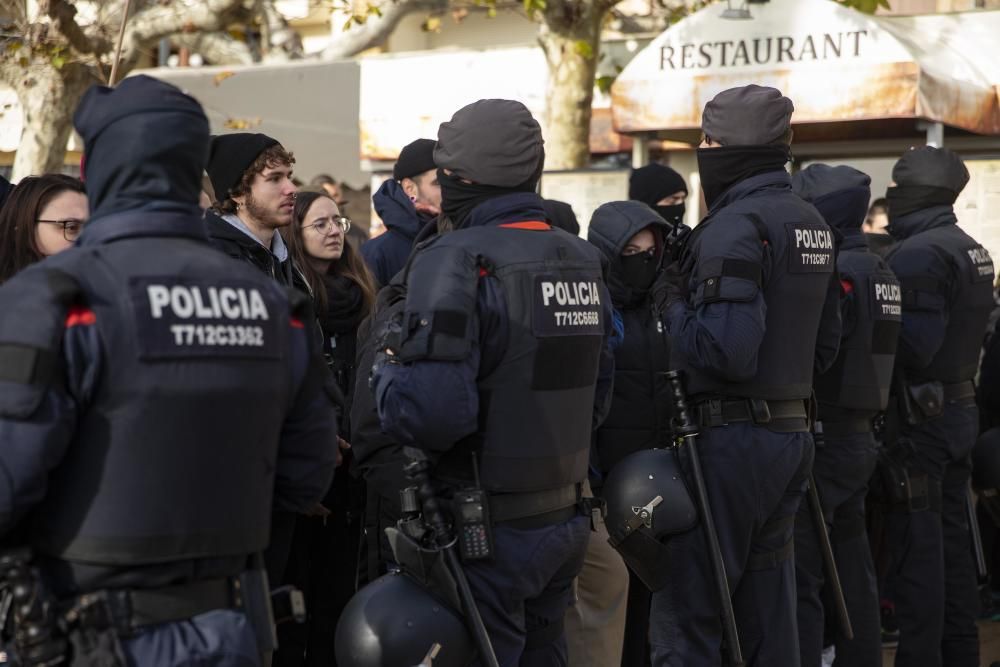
{"x":345,"y":305}
{"x":639,"y":271}
{"x":674,"y":213}
{"x":906,"y":199}
{"x":458,"y":198}
{"x":723,"y":167}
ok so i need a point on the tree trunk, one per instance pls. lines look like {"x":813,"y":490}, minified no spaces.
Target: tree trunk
{"x":47,"y":126}
{"x":570,"y":37}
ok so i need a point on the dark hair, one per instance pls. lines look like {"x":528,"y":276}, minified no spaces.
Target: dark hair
{"x":880,"y":205}
{"x":19,"y":216}
{"x":269,"y":158}
{"x":350,"y":264}
{"x":323,"y":179}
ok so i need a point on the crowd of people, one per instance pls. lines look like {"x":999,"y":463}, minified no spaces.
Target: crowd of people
{"x":212,"y":392}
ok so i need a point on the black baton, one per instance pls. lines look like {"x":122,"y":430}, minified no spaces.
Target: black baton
{"x":982,"y":573}
{"x":419,"y":471}
{"x":829,"y":563}
{"x":687,"y":429}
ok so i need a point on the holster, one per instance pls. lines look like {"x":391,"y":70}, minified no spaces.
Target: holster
{"x":426,"y":566}
{"x":926,"y":400}
{"x":900,"y":486}
{"x":95,"y":646}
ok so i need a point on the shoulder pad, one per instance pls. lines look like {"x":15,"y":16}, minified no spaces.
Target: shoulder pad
{"x":36,"y":304}
{"x":440,"y":300}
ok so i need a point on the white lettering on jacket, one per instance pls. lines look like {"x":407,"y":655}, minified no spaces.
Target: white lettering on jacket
{"x":565,"y":293}
{"x":187,"y":302}
{"x":814,"y":238}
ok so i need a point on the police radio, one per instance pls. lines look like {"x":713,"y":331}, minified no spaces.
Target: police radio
{"x":472,"y":521}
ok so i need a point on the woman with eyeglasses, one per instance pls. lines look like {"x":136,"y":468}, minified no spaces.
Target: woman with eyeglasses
{"x":324,"y":556}
{"x":43,"y":215}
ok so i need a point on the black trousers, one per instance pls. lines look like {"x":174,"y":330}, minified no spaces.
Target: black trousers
{"x":842,"y":467}
{"x":931,"y":575}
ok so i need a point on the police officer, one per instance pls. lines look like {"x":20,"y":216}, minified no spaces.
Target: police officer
{"x":743,"y":307}
{"x":156,"y":400}
{"x":947,"y":281}
{"x":849,"y":396}
{"x":497,"y":371}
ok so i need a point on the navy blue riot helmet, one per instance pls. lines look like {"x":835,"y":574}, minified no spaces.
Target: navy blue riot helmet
{"x":396,"y":622}
{"x":647,"y":502}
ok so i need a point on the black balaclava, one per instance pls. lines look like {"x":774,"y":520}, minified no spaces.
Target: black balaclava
{"x":458,"y":198}
{"x":723,"y":167}
{"x":639,"y":270}
{"x":906,"y":199}
{"x":925,"y":177}
{"x":654,"y":182}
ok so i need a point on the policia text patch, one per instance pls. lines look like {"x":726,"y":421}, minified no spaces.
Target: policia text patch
{"x":566,"y":306}
{"x":810,"y":248}
{"x":178,"y":318}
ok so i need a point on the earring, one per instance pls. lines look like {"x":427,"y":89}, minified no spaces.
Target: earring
{"x":413,"y":199}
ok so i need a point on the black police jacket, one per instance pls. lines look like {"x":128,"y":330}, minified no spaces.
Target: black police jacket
{"x":947,"y":281}
{"x":763,"y":310}
{"x":178,"y":402}
{"x":858,"y":383}
{"x":509,"y":317}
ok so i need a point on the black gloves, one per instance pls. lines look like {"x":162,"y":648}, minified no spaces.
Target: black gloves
{"x":670,"y":287}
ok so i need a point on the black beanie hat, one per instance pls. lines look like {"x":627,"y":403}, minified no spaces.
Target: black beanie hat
{"x":653,"y":182}
{"x":416,"y":158}
{"x":230,"y":155}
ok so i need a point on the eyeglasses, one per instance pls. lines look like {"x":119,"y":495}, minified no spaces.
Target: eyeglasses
{"x":71,"y":227}
{"x":325,"y":225}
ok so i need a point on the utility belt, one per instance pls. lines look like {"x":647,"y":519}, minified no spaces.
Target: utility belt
{"x":129,"y":611}
{"x":959,"y":391}
{"x":787,"y":416}
{"x":841,"y":427}
{"x":536,"y":509}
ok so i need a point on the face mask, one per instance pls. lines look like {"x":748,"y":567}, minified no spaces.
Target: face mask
{"x":906,"y":199}
{"x":723,"y":167}
{"x":674,"y":214}
{"x":639,"y":270}
{"x":458,"y":198}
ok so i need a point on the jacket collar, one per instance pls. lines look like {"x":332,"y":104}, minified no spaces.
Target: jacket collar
{"x":137,"y":224}
{"x":854,"y":241}
{"x":776,"y":180}
{"x":514,"y":207}
{"x":923,"y":220}
{"x":278,"y":247}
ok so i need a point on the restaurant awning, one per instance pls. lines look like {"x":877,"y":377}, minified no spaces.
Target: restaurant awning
{"x":850,"y":75}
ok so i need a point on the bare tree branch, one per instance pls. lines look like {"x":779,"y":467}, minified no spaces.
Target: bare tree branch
{"x":158,"y":21}
{"x":216,"y":48}
{"x":376,"y":28}
{"x":63,"y":16}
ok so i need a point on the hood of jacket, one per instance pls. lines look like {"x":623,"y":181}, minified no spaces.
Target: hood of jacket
{"x":840,"y":194}
{"x":396,"y":210}
{"x":611,"y":227}
{"x":146,"y":144}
